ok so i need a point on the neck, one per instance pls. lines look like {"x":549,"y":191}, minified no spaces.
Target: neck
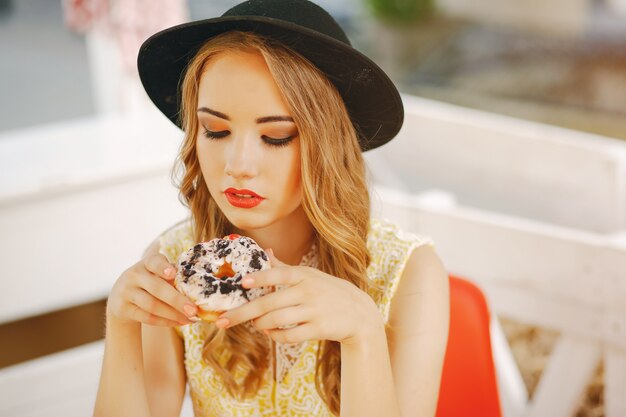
{"x":289,"y":240}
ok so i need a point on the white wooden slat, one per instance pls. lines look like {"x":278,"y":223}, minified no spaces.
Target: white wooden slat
{"x":546,"y":311}
{"x":377,"y":171}
{"x":502,"y":164}
{"x":582,"y":267}
{"x":511,"y":387}
{"x":62,"y":384}
{"x":614,"y":382}
{"x":40,"y":161}
{"x":71,"y":404}
{"x":565,"y":377}
{"x":82,"y":241}
{"x":66,"y":380}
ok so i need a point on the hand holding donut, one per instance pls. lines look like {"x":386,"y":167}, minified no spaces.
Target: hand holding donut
{"x":314,"y":306}
{"x":210,"y":274}
{"x":144,"y":293}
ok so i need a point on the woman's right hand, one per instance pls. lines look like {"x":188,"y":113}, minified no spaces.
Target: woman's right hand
{"x":145,"y":293}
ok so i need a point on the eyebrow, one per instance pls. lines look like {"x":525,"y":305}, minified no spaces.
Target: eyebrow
{"x":266,"y":119}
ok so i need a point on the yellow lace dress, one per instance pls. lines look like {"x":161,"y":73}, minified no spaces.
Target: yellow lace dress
{"x":289,"y":387}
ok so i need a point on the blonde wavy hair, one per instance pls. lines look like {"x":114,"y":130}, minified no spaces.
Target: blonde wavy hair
{"x":335,"y":199}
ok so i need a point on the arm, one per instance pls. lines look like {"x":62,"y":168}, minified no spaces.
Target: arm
{"x":418,"y":335}
{"x":404,"y":379}
{"x":367,"y":385}
{"x":122,"y":362}
{"x":126,"y":384}
{"x":164,"y":370}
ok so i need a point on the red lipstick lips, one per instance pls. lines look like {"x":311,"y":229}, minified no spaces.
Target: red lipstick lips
{"x":242,"y":198}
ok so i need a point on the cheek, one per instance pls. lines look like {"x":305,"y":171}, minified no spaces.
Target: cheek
{"x":292,"y":174}
{"x":200,"y":152}
{"x":208,"y":166}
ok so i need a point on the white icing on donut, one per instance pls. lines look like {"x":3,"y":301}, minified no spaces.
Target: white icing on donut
{"x":197,"y":269}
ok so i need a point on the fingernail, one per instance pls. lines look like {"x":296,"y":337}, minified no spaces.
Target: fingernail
{"x":168,"y":271}
{"x":270,"y":251}
{"x":247,"y":282}
{"x":190,"y":310}
{"x":221,"y":323}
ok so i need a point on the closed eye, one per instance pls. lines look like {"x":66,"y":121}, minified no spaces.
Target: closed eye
{"x":266,"y":139}
{"x":278,"y":142}
{"x":215,"y":135}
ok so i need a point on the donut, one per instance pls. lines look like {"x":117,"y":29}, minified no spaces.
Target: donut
{"x":210,"y":274}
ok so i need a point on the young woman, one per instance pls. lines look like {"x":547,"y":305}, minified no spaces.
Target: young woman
{"x":277,"y":108}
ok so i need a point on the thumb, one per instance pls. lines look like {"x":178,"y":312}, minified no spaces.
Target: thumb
{"x":274,"y":262}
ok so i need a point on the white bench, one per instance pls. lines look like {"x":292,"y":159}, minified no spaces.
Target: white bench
{"x":61,"y":384}
{"x":536,"y":215}
{"x":79,"y":202}
{"x":549,"y":276}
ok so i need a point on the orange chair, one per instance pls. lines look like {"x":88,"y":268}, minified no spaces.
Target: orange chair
{"x":468,"y":383}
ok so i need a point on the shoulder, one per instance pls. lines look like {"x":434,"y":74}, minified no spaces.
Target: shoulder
{"x":391,"y":249}
{"x":424,"y":274}
{"x":422,"y":295}
{"x":176,"y":239}
{"x":382,"y":231}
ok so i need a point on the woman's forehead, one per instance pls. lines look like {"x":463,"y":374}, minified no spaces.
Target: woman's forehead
{"x":241,"y":82}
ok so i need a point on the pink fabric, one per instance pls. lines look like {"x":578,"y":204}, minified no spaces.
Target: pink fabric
{"x":80,"y":15}
{"x":130,"y":22}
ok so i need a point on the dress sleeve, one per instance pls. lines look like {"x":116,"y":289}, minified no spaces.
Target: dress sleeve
{"x":176,"y":240}
{"x":390,"y":249}
{"x":179,"y":331}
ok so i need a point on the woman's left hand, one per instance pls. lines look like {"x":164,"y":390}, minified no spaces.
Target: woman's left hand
{"x":321,"y":306}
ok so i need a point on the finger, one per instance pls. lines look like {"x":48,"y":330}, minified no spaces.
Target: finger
{"x":168,"y":294}
{"x":160,"y":266}
{"x":282,"y":275}
{"x":259,"y":306}
{"x":154,"y":306}
{"x":151,"y":319}
{"x":283,"y":317}
{"x":296,"y":334}
{"x":274,"y":261}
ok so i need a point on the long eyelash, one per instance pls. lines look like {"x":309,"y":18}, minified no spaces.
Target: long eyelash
{"x":215,"y":135}
{"x":278,"y":142}
{"x":270,"y":142}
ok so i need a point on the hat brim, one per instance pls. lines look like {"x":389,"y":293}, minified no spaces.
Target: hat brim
{"x":372,"y":100}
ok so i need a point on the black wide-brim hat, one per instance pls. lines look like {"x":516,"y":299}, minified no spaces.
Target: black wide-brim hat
{"x":372,"y":100}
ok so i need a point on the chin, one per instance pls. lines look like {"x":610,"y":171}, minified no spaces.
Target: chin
{"x":248,"y":221}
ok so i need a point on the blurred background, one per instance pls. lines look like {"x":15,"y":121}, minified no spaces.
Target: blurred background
{"x":512,"y":157}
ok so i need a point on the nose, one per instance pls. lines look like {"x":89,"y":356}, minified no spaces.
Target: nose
{"x":241,"y":157}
